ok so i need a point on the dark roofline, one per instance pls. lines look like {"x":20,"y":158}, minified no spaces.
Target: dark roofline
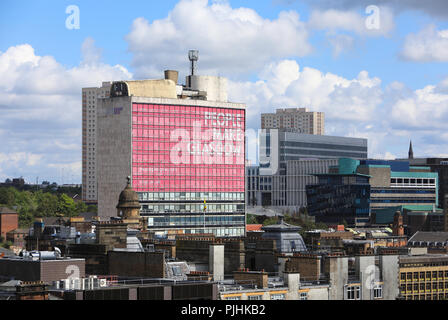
{"x":6,"y":210}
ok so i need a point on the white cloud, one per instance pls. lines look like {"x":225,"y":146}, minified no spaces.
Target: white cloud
{"x":429,"y":44}
{"x":425,"y":109}
{"x":436,"y":8}
{"x":19,"y":158}
{"x":341,"y":43}
{"x":283,"y":84}
{"x":40,"y":101}
{"x":359,"y":107}
{"x":349,"y":20}
{"x":229,"y":40}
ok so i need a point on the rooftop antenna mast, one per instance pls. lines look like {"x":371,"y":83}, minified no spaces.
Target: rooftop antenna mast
{"x":193,"y":56}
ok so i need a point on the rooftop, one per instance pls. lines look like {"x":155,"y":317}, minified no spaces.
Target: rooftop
{"x":429,"y":237}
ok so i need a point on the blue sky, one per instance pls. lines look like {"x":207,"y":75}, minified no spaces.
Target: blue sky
{"x":388,"y":85}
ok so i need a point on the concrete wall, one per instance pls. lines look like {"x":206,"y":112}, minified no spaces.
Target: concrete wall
{"x":137,"y":264}
{"x":198,"y":251}
{"x":380,"y":176}
{"x":216,"y":261}
{"x":365,"y":269}
{"x":114,"y":146}
{"x":162,"y":88}
{"x":337,"y":270}
{"x":46,"y":270}
{"x":216,"y":87}
{"x":318,"y":293}
{"x":292,"y":280}
{"x":389,"y":271}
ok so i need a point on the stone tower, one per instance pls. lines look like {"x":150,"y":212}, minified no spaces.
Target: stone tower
{"x":128,"y":205}
{"x":398,"y":229}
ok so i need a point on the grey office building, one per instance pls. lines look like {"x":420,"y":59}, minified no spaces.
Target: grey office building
{"x":287,"y":162}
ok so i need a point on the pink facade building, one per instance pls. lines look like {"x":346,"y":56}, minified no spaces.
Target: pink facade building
{"x":186,"y":159}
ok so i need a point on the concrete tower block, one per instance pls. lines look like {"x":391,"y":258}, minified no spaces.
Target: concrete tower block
{"x":389,"y":270}
{"x":337,"y":269}
{"x":365,"y":269}
{"x":293,"y":281}
{"x":216,"y":261}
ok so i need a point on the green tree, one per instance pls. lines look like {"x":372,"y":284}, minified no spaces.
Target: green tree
{"x":270,"y":221}
{"x":67,"y":206}
{"x":7,"y":196}
{"x":92,"y":208}
{"x":81,"y":207}
{"x":47,"y":204}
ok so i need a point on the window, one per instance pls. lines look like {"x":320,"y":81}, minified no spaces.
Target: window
{"x":255,"y":297}
{"x":278,"y":296}
{"x":377,"y":292}
{"x":353,"y":293}
{"x":234,"y":298}
{"x":303,"y":295}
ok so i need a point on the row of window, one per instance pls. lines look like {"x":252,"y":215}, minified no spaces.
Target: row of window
{"x":423,"y":275}
{"x":402,"y":190}
{"x":412,"y":181}
{"x":274,"y":296}
{"x":295,"y":144}
{"x":217,"y":231}
{"x":198,"y":196}
{"x":294,"y":154}
{"x":405,"y":200}
{"x":440,"y":296}
{"x":195,"y":220}
{"x":199,"y":184}
{"x":179,"y":208}
{"x":182,"y":110}
{"x":424,"y":286}
{"x":354,"y":292}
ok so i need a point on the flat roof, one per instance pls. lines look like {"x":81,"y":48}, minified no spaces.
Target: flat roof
{"x":342,"y":174}
{"x":398,"y":174}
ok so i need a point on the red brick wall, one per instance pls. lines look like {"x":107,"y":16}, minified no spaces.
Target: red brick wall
{"x":8,"y":222}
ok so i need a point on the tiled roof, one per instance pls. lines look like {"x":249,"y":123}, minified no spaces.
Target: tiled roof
{"x":253,"y":227}
{"x":429,"y":236}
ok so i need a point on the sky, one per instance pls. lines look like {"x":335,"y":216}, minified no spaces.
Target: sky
{"x":377,"y":69}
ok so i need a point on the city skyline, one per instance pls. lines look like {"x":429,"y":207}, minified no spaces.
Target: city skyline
{"x":385,"y":81}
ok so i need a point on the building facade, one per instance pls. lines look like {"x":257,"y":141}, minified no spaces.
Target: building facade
{"x":295,"y":119}
{"x":288,"y":161}
{"x":386,"y":186}
{"x":185,"y":157}
{"x":439,"y":166}
{"x":424,"y":277}
{"x":89,"y":129}
{"x":9,"y":221}
{"x":277,"y":147}
{"x":288,"y":190}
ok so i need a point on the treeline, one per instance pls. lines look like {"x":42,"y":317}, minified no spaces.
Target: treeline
{"x":33,"y":204}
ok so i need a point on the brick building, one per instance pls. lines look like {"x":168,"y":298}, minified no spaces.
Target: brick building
{"x":9,"y":220}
